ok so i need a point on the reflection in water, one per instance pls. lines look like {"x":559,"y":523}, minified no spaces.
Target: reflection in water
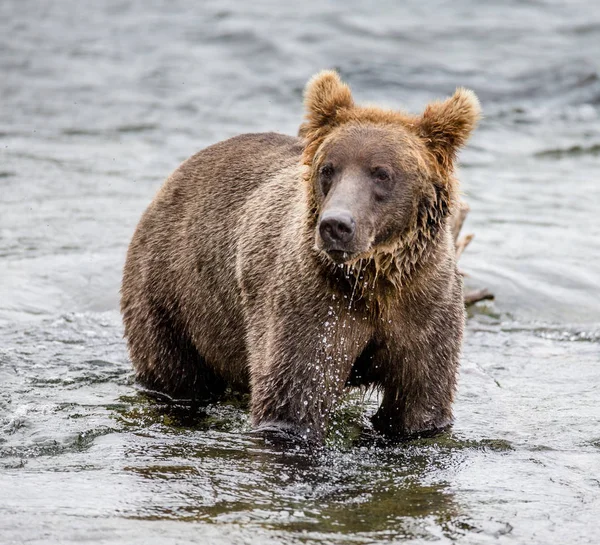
{"x":393,"y":491}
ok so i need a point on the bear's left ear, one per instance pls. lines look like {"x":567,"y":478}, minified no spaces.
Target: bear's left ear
{"x":325,"y":97}
{"x":446,"y":125}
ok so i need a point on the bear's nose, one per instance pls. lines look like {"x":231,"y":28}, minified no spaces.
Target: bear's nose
{"x":337,"y":227}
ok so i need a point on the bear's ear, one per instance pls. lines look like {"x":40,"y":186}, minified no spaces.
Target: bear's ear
{"x":325,"y":97}
{"x":446,"y":125}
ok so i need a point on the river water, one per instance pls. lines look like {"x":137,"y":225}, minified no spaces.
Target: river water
{"x":99,"y":101}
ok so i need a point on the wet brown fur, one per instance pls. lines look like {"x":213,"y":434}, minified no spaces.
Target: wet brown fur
{"x":223,"y":284}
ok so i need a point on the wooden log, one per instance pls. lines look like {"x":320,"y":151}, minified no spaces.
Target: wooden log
{"x":460,"y":243}
{"x":474,"y":296}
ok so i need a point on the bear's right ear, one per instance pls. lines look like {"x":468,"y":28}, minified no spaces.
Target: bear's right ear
{"x":325,"y":97}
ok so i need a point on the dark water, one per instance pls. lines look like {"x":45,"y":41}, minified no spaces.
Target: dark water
{"x":99,"y":101}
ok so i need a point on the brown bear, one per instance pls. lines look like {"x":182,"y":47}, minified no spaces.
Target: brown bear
{"x":294,"y":268}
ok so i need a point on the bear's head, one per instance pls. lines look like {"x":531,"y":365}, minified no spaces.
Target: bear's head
{"x":380,"y":182}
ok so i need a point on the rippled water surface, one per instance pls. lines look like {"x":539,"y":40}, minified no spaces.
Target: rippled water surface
{"x":99,"y":101}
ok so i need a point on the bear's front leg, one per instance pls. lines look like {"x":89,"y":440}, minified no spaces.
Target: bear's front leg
{"x":300,"y":359}
{"x":419,"y":379}
{"x":411,"y":411}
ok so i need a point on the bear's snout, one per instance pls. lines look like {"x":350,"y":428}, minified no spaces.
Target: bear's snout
{"x":337,"y":228}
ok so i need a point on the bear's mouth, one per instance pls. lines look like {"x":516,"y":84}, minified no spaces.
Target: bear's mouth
{"x":339,"y":256}
{"x":342,"y":256}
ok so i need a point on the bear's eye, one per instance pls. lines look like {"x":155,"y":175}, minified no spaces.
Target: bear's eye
{"x":380,"y":174}
{"x":327,"y":170}
{"x":326,"y":175}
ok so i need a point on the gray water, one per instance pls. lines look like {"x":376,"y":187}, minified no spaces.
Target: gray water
{"x":99,"y":101}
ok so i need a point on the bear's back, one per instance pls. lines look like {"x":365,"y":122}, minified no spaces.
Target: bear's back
{"x":183,"y":253}
{"x":237,"y":165}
